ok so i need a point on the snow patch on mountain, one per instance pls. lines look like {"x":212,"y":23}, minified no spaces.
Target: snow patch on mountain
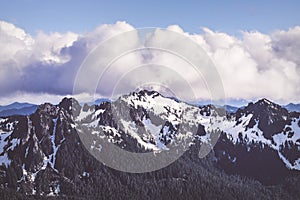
{"x":132,"y":131}
{"x":4,"y":160}
{"x":239,"y":131}
{"x":290,"y":133}
{"x":84,"y":114}
{"x":155,"y":133}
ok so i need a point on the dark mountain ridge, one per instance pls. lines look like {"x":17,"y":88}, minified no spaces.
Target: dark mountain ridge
{"x":43,"y":153}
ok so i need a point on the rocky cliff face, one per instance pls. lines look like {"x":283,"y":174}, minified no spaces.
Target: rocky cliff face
{"x":53,"y":151}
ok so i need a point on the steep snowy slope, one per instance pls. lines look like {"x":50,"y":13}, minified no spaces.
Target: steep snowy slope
{"x":51,"y":150}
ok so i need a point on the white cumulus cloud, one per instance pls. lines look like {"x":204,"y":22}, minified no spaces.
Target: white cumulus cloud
{"x":251,"y":66}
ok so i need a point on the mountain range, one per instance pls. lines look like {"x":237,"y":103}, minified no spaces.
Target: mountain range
{"x":17,"y":108}
{"x":292,"y":107}
{"x":67,"y":151}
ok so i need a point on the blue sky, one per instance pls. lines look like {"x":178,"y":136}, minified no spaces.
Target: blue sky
{"x":82,"y":16}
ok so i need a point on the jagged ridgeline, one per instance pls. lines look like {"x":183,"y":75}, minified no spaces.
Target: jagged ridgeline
{"x":255,"y":154}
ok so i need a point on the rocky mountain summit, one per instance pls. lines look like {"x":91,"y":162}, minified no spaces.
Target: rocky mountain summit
{"x":180,"y":150}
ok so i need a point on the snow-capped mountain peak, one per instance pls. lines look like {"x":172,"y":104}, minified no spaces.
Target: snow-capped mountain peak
{"x":145,"y":121}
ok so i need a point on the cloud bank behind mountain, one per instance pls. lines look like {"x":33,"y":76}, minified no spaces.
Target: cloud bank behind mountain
{"x":251,"y":66}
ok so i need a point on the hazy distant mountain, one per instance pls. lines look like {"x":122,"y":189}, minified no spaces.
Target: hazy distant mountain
{"x":293,"y":107}
{"x":42,"y":154}
{"x":96,"y":102}
{"x":229,"y":108}
{"x":101,"y":100}
{"x":15,"y":105}
{"x":17,"y":109}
